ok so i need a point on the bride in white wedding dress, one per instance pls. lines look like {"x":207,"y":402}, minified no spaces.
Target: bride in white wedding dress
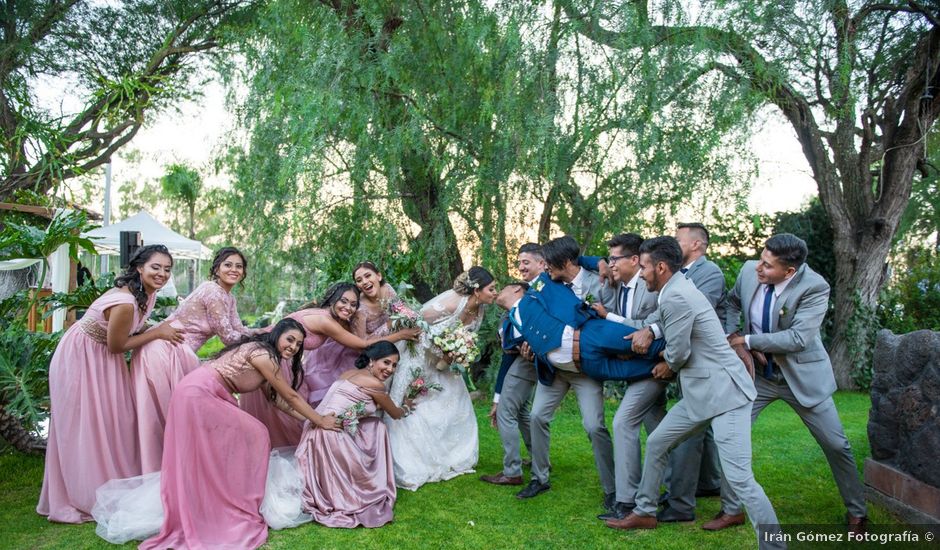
{"x":438,"y":441}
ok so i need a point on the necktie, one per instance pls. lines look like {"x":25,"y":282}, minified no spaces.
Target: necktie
{"x":624,"y":300}
{"x":765,"y":328}
{"x":512,"y":319}
{"x":570,"y":286}
{"x":684,"y":270}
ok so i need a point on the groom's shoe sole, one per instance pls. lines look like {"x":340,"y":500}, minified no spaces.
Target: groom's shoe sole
{"x":531,"y":491}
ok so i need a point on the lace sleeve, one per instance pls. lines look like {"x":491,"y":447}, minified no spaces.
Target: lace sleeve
{"x":223,"y":317}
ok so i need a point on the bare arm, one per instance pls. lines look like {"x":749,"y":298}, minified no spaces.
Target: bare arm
{"x":329,"y":327}
{"x":120,"y":322}
{"x":269,"y":369}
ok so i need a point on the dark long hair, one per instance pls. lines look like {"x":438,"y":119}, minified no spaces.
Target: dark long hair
{"x":130,"y":278}
{"x":374,"y":352}
{"x":332,"y":295}
{"x":220,"y":257}
{"x":268,"y":341}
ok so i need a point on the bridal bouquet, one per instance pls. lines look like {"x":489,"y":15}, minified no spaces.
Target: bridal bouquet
{"x":419,"y":386}
{"x":461,"y":344}
{"x":403,"y":316}
{"x":349,"y":418}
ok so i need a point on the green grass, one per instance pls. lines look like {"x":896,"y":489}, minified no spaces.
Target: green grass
{"x":466,"y":513}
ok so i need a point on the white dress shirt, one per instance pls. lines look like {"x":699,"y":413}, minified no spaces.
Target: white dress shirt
{"x":563,"y":357}
{"x":757,"y":307}
{"x":628,"y":314}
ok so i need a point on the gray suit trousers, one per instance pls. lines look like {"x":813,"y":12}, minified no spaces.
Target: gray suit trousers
{"x":641,"y":404}
{"x":590,"y":394}
{"x":512,"y":416}
{"x":733,"y":437}
{"x":693,"y":465}
{"x":824,"y":424}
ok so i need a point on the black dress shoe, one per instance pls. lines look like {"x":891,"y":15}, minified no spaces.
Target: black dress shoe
{"x":533,"y":489}
{"x":705,"y":493}
{"x":610,"y":501}
{"x":620,"y":511}
{"x":669,"y":515}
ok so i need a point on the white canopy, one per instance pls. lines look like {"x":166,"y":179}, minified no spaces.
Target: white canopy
{"x":151,"y":232}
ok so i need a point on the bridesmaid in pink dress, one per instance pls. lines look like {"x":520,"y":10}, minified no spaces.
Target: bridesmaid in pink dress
{"x":324,"y":364}
{"x":215,"y":456}
{"x":157,"y":367}
{"x":349,"y":479}
{"x":92,"y":430}
{"x":331,"y":319}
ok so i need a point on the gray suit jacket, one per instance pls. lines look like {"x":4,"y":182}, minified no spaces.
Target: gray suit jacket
{"x":591,"y":284}
{"x":709,"y":280}
{"x":644,"y":302}
{"x":712,"y":378}
{"x":794,"y":339}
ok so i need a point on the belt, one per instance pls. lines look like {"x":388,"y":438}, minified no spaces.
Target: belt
{"x":576,"y":349}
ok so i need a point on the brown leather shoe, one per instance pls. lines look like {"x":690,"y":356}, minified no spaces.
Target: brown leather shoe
{"x":633,"y":521}
{"x":723,"y":521}
{"x":500,"y":479}
{"x":856,"y":524}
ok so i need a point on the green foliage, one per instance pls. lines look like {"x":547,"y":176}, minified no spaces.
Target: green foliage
{"x":861,"y":331}
{"x":812,"y":225}
{"x":120,"y":60}
{"x":26,"y":241}
{"x":24,"y":371}
{"x":912,"y":299}
{"x":82,"y":297}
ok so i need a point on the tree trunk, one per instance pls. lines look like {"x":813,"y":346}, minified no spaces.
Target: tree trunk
{"x":21,"y":439}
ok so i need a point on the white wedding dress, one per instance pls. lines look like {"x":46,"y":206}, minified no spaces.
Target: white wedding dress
{"x":439,"y":440}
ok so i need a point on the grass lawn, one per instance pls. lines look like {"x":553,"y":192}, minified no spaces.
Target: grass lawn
{"x":466,"y":513}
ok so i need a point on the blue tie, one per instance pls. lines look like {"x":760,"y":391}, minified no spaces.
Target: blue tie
{"x":684,"y":270}
{"x":765,"y":328}
{"x":624,"y":296}
{"x":512,"y":319}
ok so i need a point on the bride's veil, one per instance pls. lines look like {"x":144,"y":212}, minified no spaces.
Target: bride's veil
{"x":443,"y":308}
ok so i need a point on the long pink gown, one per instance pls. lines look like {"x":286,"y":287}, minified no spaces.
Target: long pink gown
{"x":158,"y":366}
{"x":349,"y":480}
{"x":92,"y":430}
{"x":215,"y":459}
{"x":324,"y":365}
{"x":284,"y":429}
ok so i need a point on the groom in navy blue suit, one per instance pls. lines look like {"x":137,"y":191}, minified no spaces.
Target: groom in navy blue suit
{"x":600,"y":348}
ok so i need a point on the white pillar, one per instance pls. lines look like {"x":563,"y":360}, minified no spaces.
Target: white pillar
{"x":60,"y":268}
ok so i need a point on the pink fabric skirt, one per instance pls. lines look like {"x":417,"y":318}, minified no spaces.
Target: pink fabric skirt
{"x":156,"y":369}
{"x":283,"y":428}
{"x":92,"y":432}
{"x":215,"y":461}
{"x":349,"y":480}
{"x":324,"y":365}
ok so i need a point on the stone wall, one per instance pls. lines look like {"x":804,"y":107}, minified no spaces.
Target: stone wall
{"x":904,"y":422}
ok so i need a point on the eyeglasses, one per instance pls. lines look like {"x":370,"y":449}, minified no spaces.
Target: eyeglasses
{"x":612,"y":259}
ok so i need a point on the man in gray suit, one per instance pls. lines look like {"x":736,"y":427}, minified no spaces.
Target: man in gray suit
{"x":510,"y":411}
{"x":783,"y":303}
{"x":643,"y":399}
{"x":693,"y":466}
{"x":696,"y":350}
{"x":561,"y":256}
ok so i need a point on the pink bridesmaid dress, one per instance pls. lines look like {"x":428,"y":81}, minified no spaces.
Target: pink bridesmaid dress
{"x":92,"y":430}
{"x":158,"y":366}
{"x":284,"y":429}
{"x":349,"y":480}
{"x":215,"y":459}
{"x":324,"y":365}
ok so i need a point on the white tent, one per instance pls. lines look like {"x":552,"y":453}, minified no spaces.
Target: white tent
{"x":107,"y":240}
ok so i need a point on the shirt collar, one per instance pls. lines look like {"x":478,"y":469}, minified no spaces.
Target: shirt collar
{"x":633,"y":282}
{"x":782,"y":285}
{"x":577,"y":278}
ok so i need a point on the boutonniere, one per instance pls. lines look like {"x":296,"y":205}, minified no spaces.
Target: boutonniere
{"x":589,"y":299}
{"x":538,"y":285}
{"x":783,"y":311}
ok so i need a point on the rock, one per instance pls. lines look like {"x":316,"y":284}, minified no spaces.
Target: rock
{"x":904,"y":422}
